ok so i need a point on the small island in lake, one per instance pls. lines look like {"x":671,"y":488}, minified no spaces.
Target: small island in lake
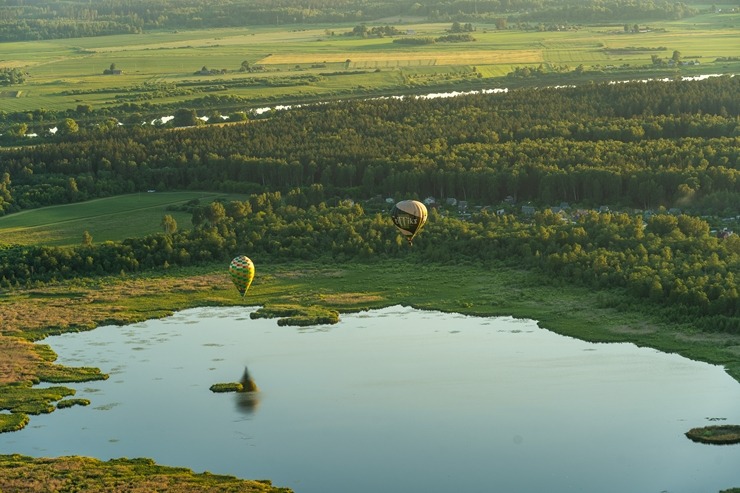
{"x":227,"y":387}
{"x":245,"y":385}
{"x":717,"y":434}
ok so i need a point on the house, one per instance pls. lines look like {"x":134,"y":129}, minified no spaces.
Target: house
{"x":528,"y":210}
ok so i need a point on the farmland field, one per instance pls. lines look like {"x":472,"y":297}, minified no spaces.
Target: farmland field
{"x":317,"y":61}
{"x":107,"y":219}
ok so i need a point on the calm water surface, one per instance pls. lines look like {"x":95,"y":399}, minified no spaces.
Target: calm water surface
{"x":394,"y":400}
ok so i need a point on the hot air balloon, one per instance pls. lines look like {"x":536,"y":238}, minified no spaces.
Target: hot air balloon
{"x":241,"y":271}
{"x":409,"y":216}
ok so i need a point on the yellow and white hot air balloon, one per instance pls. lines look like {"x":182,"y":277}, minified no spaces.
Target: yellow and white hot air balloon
{"x":241,"y":271}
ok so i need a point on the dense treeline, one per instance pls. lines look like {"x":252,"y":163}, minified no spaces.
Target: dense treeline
{"x":636,"y":145}
{"x":668,"y":260}
{"x":44,"y":19}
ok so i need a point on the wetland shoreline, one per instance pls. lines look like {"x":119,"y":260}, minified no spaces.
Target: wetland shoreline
{"x":28,"y":316}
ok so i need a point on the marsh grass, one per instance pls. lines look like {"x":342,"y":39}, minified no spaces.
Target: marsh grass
{"x":30,"y":475}
{"x":12,"y":421}
{"x":65,"y":374}
{"x":25,"y":399}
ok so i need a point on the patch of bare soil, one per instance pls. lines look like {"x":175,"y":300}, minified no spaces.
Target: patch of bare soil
{"x":350,"y":298}
{"x":18,"y":360}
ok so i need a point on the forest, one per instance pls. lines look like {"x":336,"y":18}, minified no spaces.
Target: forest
{"x":636,"y":171}
{"x":43,"y":19}
{"x":633,"y":145}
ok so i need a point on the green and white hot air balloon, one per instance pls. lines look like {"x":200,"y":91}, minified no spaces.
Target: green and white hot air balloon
{"x":409,"y":216}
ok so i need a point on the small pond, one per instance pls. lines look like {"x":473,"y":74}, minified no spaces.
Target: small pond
{"x":394,"y":400}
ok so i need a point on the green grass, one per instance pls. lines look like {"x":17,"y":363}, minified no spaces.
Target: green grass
{"x":58,"y":66}
{"x":107,"y":219}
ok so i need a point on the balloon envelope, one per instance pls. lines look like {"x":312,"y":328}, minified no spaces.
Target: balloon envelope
{"x":409,"y":216}
{"x":241,"y":271}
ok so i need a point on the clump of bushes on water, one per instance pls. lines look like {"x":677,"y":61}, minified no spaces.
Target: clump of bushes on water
{"x":298,"y":316}
{"x":275,"y":312}
{"x":65,"y":403}
{"x":227,"y":387}
{"x":718,"y":434}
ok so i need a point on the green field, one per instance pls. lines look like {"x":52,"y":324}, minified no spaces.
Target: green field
{"x":65,"y":73}
{"x":107,"y":219}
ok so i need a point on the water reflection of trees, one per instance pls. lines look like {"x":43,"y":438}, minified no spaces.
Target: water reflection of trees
{"x":247,"y":402}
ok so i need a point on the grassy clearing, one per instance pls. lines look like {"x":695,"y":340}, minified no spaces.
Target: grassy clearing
{"x":107,"y":219}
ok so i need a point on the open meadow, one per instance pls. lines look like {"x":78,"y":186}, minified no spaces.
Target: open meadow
{"x":313,"y":62}
{"x":107,"y":219}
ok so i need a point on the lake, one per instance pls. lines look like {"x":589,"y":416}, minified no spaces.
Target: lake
{"x":393,"y":400}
